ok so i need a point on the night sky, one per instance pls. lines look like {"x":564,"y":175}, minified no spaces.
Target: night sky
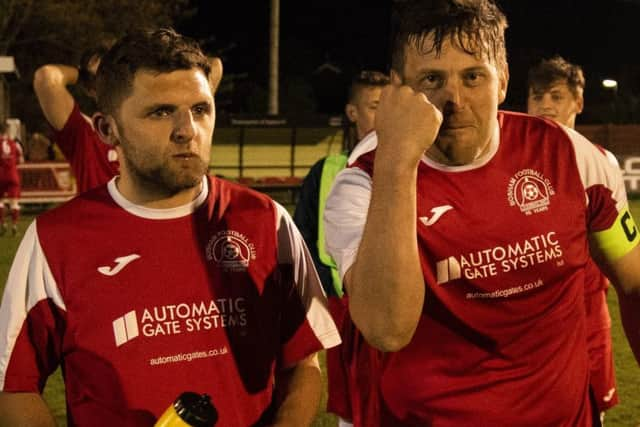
{"x":602,"y":36}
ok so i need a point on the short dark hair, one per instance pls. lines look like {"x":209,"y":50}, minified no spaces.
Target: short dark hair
{"x":363,"y":79}
{"x":476,"y":26}
{"x":549,"y":71}
{"x":366,"y":78}
{"x":162,"y":51}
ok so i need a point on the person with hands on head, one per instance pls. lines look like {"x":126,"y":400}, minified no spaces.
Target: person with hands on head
{"x":175,"y":280}
{"x":92,"y":162}
{"x":462,"y":233}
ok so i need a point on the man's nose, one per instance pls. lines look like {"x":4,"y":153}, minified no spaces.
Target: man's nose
{"x":184,"y":127}
{"x":546,"y":103}
{"x":453,"y":92}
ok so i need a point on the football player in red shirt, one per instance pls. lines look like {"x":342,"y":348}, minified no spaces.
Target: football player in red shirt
{"x":10,"y":156}
{"x":93,"y":163}
{"x":165,"y":279}
{"x":556,"y":91}
{"x":462,"y":233}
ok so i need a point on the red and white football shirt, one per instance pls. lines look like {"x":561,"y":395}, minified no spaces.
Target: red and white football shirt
{"x":92,"y":161}
{"x":503,"y":245}
{"x":139,"y":305}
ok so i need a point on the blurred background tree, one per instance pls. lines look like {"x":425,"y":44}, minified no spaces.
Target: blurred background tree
{"x":37,"y":32}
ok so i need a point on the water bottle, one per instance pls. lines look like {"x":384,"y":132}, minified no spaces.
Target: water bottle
{"x":189,"y":410}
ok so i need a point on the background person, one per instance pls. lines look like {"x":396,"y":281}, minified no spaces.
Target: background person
{"x":93,"y":163}
{"x":364,"y":94}
{"x":455,"y":232}
{"x":42,"y":149}
{"x":363,"y":98}
{"x":176,"y":281}
{"x":10,"y":157}
{"x":556,"y":89}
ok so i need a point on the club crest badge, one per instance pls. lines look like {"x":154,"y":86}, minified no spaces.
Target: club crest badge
{"x":231,"y":250}
{"x":530,"y":191}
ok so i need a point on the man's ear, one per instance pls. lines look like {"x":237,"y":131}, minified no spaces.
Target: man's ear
{"x":503,"y":82}
{"x":106,"y":129}
{"x":351,"y":112}
{"x":580,"y":104}
{"x":216,"y":73}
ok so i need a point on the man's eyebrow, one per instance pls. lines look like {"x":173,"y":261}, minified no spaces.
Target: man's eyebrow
{"x":159,"y":106}
{"x":426,"y":71}
{"x":537,"y":90}
{"x":433,"y":70}
{"x":205,"y":102}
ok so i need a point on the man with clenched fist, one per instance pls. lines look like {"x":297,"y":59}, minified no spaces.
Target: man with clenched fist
{"x":461,"y":234}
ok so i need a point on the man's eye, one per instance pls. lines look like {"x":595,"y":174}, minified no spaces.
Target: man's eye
{"x":474,"y":78}
{"x":161,"y":112}
{"x":201,"y":109}
{"x":431,"y":81}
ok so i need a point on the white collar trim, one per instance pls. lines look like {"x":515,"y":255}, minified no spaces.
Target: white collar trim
{"x":370,"y":142}
{"x":494,"y":144}
{"x":152,"y":213}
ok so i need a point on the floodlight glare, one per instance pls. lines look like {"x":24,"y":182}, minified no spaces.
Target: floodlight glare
{"x":609,"y":84}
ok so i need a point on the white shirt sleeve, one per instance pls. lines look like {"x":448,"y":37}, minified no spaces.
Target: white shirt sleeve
{"x":30,"y":281}
{"x":293,"y":250}
{"x":597,"y":168}
{"x":345,"y":215}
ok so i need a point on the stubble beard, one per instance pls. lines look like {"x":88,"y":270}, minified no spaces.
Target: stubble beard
{"x":167,"y":177}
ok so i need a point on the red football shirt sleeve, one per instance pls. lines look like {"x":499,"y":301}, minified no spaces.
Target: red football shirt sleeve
{"x":92,"y":161}
{"x":72,"y":133}
{"x":32,"y":315}
{"x":307,"y":324}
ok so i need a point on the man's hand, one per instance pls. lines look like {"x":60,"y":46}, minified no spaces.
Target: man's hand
{"x":24,"y":409}
{"x":216,"y":73}
{"x":406,"y":123}
{"x":297,"y":393}
{"x":87,"y":75}
{"x":385,"y":283}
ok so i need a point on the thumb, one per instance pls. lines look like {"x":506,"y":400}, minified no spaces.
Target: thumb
{"x":395,"y":78}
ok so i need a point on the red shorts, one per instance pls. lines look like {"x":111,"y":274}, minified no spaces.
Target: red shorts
{"x":354,"y":369}
{"x":9,"y":188}
{"x":338,"y":389}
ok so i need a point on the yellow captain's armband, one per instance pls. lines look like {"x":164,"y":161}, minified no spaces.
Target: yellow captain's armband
{"x":620,"y":238}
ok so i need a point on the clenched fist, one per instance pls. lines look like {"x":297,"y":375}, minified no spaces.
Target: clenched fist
{"x":406,"y":123}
